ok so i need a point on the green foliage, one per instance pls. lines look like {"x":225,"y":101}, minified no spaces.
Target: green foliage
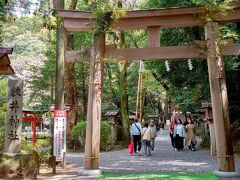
{"x":3,"y":89}
{"x":3,"y":114}
{"x":106,"y":14}
{"x":2,"y":15}
{"x":205,"y":141}
{"x":29,"y":41}
{"x":79,"y":134}
{"x":186,"y":88}
{"x":43,"y":85}
{"x":166,"y":4}
{"x":2,"y":137}
{"x":24,"y":36}
{"x":212,"y":9}
{"x":161,"y":175}
{"x":236,"y":130}
{"x":119,"y":132}
{"x":37,"y":149}
{"x":43,"y":11}
{"x":229,"y":31}
{"x":105,"y":134}
{"x":3,"y":98}
{"x":81,"y":39}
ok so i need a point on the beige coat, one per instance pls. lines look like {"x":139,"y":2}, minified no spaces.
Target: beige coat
{"x":147,"y":134}
{"x":190,"y":130}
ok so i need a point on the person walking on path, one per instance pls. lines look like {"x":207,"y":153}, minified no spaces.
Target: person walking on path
{"x":154,"y":133}
{"x":190,"y":140}
{"x":179,"y":134}
{"x":147,"y":136}
{"x":186,"y":122}
{"x":136,"y":130}
{"x":171,"y":131}
{"x":162,"y":124}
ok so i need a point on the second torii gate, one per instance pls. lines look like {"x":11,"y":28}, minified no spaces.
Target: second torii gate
{"x":153,"y":21}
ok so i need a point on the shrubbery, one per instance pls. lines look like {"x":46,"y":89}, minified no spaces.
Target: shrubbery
{"x":105,"y":134}
{"x":119,"y":132}
{"x":79,"y":134}
{"x":41,"y":150}
{"x":205,"y":140}
{"x":2,"y":127}
{"x":2,"y":137}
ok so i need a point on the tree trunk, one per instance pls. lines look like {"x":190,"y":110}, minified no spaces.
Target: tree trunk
{"x":123,"y":94}
{"x":113,"y":93}
{"x":84,"y":91}
{"x":52,"y":89}
{"x":59,"y":4}
{"x":71,"y":96}
{"x":59,"y":102}
{"x":71,"y":85}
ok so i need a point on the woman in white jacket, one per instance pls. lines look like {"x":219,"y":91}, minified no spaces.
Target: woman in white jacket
{"x":179,"y":134}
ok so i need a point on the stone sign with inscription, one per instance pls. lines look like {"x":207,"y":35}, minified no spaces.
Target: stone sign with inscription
{"x":14,"y":116}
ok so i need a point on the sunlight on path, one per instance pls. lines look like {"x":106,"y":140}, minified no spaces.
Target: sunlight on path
{"x":164,"y":158}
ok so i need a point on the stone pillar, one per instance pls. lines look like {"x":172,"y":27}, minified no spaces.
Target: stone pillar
{"x":219,"y":99}
{"x":112,"y":134}
{"x":13,"y":160}
{"x":92,"y":144}
{"x":14,"y":116}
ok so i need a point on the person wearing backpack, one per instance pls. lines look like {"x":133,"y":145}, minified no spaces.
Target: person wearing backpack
{"x":136,"y":130}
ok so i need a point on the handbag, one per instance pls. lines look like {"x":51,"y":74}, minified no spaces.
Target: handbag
{"x":194,"y":141}
{"x":130,"y":147}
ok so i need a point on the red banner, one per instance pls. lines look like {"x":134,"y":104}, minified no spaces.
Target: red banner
{"x":60,"y":113}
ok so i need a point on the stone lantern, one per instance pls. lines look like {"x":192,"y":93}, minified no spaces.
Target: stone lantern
{"x":113,"y":118}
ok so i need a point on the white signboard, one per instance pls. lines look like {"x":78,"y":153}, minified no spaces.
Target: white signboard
{"x":14,"y":116}
{"x":64,"y":135}
{"x":59,"y":134}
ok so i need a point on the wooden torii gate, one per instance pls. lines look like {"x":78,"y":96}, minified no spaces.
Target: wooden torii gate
{"x":153,"y":20}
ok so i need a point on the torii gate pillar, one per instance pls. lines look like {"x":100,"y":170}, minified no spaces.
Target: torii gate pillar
{"x":92,"y":144}
{"x":217,"y":80}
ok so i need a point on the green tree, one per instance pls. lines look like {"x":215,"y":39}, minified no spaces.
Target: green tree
{"x":191,"y":87}
{"x":3,"y":99}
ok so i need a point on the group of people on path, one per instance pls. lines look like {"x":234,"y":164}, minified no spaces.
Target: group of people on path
{"x":178,"y":132}
{"x":144,"y":135}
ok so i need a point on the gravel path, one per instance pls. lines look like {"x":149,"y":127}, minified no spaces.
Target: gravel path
{"x":163,"y":158}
